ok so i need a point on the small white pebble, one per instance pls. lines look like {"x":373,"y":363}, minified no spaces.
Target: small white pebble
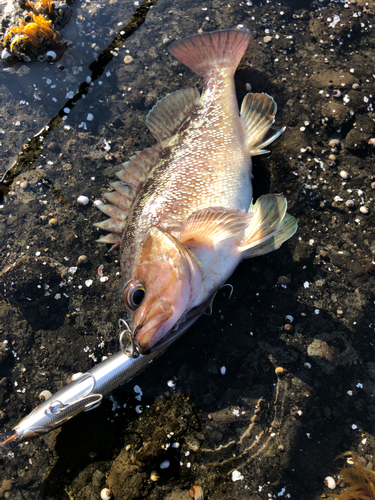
{"x":165,"y":464}
{"x":175,"y":445}
{"x":354,"y":427}
{"x":330,"y":482}
{"x":349,"y":393}
{"x":344,"y":174}
{"x":82,"y":200}
{"x":236,"y":476}
{"x":98,"y":202}
{"x":105,"y":494}
{"x":223,"y":370}
{"x":90,"y":117}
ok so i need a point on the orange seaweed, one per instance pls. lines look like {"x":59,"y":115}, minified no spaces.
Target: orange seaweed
{"x":360,"y":480}
{"x":35,"y":32}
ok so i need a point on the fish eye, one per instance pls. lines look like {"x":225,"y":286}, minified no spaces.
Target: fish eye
{"x":133,"y":294}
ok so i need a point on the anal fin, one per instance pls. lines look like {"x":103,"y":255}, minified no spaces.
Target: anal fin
{"x":258,"y":113}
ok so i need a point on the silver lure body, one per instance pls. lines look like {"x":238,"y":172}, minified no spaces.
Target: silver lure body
{"x":82,"y":394}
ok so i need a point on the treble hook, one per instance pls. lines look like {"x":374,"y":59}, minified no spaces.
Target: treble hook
{"x":130,"y":349}
{"x":208,"y":310}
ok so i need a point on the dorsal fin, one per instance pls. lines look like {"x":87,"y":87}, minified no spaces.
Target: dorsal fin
{"x":136,"y":170}
{"x":168,"y":114}
{"x":258,"y":113}
{"x":112,"y":238}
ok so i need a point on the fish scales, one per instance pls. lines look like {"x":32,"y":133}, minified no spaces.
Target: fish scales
{"x":196,"y":171}
{"x":192,"y":220}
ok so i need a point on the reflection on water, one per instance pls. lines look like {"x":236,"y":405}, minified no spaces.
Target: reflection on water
{"x":65,"y":128}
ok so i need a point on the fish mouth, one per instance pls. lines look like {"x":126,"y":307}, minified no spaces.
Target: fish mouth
{"x":141,"y":338}
{"x":152,"y":326}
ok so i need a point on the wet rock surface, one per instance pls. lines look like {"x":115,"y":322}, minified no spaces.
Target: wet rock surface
{"x":281,"y":432}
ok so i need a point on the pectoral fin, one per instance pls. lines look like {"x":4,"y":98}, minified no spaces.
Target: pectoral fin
{"x":210,"y":226}
{"x":258,"y":113}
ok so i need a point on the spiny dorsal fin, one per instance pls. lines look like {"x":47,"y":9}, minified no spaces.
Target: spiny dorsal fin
{"x":113,"y":239}
{"x":167,"y":116}
{"x":210,"y":226}
{"x":268,"y":212}
{"x":136,"y":170}
{"x":258,"y":113}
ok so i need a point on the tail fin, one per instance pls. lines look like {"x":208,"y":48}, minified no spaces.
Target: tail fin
{"x":223,"y":48}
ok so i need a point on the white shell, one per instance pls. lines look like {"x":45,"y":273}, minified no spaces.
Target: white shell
{"x":364,"y":210}
{"x":98,"y":202}
{"x":175,"y":445}
{"x":330,"y":482}
{"x":350,"y":203}
{"x":334,"y":143}
{"x":82,"y":200}
{"x":45,"y":395}
{"x":139,"y":408}
{"x":289,"y":318}
{"x":51,"y":55}
{"x":5,"y":55}
{"x":344,"y":174}
{"x":223,"y":370}
{"x":171,"y":384}
{"x":165,"y":464}
{"x":105,"y":494}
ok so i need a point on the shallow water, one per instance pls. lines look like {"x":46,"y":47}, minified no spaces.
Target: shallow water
{"x":281,"y":433}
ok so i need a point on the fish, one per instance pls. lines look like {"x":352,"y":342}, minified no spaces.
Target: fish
{"x":182,"y":210}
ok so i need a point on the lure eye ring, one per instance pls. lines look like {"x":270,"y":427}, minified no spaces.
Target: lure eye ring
{"x":133,"y":295}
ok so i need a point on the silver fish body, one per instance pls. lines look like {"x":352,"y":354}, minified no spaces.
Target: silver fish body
{"x":182,"y":211}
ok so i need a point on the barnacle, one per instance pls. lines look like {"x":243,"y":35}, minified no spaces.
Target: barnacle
{"x":360,"y":480}
{"x":36,"y":34}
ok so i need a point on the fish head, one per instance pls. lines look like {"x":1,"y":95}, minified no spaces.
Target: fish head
{"x":166,"y":280}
